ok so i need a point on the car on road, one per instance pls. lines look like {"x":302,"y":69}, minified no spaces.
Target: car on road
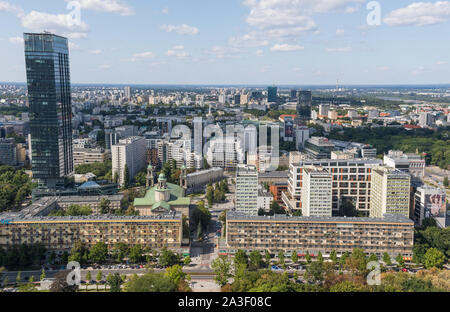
{"x":275,"y":268}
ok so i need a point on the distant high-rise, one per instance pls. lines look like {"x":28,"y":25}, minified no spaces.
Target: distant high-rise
{"x":127,"y":93}
{"x":294,"y":94}
{"x":49,"y":95}
{"x":272,"y":94}
{"x":304,"y":106}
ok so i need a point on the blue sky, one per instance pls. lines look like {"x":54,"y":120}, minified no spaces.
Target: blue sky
{"x":237,"y":41}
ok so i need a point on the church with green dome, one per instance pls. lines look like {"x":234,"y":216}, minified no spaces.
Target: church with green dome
{"x":163,"y":197}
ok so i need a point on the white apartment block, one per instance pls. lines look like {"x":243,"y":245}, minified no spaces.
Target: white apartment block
{"x":225,"y":152}
{"x":247,"y":189}
{"x":317,"y":192}
{"x":390,"y":192}
{"x":131,"y":152}
{"x":351,"y":179}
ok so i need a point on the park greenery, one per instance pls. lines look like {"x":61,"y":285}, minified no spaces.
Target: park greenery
{"x":120,"y":252}
{"x":431,"y":245}
{"x":72,"y":211}
{"x":15,"y":187}
{"x":434,"y":144}
{"x":174,"y":280}
{"x":22,"y":256}
{"x":216,"y":193}
{"x":103,"y":171}
{"x":201,"y":218}
{"x":252,"y":273}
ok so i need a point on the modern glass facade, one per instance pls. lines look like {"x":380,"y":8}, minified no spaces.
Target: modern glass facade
{"x":304,"y":107}
{"x":49,"y":95}
{"x":272,"y":94}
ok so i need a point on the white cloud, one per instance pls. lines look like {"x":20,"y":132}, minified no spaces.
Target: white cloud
{"x":340,"y":32}
{"x":441,"y":62}
{"x":345,"y":49}
{"x":178,"y":52}
{"x":105,"y":67}
{"x":61,"y":24}
{"x":16,"y":40}
{"x":8,"y":7}
{"x":286,"y":48}
{"x":222,"y":52}
{"x":260,"y":53}
{"x":419,"y":14}
{"x":182,"y":29}
{"x":140,"y":56}
{"x":281,"y":19}
{"x":73,"y":46}
{"x":383,"y":68}
{"x":109,"y":6}
{"x":144,"y":55}
{"x":165,"y":10}
{"x":96,"y":52}
{"x":250,"y":40}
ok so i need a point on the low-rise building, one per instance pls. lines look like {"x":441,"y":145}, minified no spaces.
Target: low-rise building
{"x":84,"y":156}
{"x":265,"y":199}
{"x":198,"y":180}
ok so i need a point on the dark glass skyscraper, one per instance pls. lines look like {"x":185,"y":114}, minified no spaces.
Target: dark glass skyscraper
{"x":272,"y":94}
{"x":48,"y":81}
{"x":304,"y":107}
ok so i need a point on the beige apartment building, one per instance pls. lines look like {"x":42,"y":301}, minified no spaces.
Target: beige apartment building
{"x":60,"y":233}
{"x":83,"y":156}
{"x":393,"y":234}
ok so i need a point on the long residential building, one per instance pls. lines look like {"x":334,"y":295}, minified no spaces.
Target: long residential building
{"x":60,"y":233}
{"x":351,"y":179}
{"x":391,"y":234}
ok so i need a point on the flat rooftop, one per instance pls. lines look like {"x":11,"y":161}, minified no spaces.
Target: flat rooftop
{"x":237,"y":216}
{"x":109,"y":218}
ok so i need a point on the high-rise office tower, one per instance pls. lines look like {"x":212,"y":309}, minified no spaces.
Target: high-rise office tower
{"x":237,"y":99}
{"x":390,"y":192}
{"x":272,"y":94}
{"x":294,"y":94}
{"x":127,"y":93}
{"x":48,"y":81}
{"x":304,"y":106}
{"x":198,"y":138}
{"x":247,"y":189}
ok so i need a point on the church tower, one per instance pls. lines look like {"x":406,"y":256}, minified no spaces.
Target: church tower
{"x":150,"y":177}
{"x":183,"y":178}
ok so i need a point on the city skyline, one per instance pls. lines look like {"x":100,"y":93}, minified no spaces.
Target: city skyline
{"x":171,"y":42}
